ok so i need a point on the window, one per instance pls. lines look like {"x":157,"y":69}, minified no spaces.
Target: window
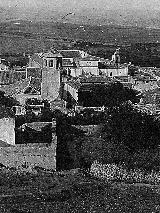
{"x":111,"y":74}
{"x":50,"y":63}
{"x":58,"y":63}
{"x":45,"y":62}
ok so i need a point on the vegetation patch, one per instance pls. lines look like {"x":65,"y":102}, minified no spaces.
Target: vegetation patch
{"x":112,"y":172}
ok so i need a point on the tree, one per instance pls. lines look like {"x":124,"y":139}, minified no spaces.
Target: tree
{"x":135,"y":130}
{"x":109,"y":95}
{"x":7,"y":101}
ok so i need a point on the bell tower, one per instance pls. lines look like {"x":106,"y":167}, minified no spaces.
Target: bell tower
{"x":52,"y":62}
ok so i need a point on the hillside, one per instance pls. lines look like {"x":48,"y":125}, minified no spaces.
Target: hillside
{"x":71,"y":192}
{"x":27,"y":36}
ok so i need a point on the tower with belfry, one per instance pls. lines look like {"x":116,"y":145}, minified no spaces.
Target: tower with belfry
{"x":48,"y":65}
{"x":116,"y":58}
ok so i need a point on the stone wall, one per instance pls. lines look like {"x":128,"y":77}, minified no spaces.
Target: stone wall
{"x":29,"y":155}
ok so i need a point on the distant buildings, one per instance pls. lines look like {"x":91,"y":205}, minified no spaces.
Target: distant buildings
{"x":145,"y":82}
{"x":70,"y":61}
{"x":50,"y":73}
{"x":111,"y":70}
{"x":90,"y":65}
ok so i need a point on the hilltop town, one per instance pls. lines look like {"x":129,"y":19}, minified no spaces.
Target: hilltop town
{"x":66,"y":80}
{"x":65,"y":110}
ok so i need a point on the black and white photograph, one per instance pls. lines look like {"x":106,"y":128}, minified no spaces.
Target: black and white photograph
{"x":79,"y":106}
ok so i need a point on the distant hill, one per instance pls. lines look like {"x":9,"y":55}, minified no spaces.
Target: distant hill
{"x":47,"y":32}
{"x":85,"y":15}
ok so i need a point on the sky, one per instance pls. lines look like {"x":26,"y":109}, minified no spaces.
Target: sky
{"x":89,"y":4}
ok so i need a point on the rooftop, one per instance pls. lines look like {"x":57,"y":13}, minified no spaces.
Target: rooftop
{"x":51,"y":54}
{"x":91,"y":58}
{"x":80,"y":82}
{"x":74,"y":83}
{"x":94,"y":79}
{"x":70,"y":53}
{"x":37,"y":126}
{"x":38,"y":57}
{"x":16,"y":88}
{"x":21,"y":86}
{"x":114,"y":66}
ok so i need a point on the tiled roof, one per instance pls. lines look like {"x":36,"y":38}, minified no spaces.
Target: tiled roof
{"x":70,"y":53}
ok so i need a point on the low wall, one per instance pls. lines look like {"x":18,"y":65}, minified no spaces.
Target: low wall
{"x":30,"y":155}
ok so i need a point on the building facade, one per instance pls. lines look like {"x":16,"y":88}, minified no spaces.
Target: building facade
{"x":49,"y":64}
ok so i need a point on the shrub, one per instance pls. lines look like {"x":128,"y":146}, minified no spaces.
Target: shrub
{"x":119,"y":173}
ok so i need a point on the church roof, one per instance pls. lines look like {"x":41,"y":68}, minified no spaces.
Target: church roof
{"x":70,"y":53}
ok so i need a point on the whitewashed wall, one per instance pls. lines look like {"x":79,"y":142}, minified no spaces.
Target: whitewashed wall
{"x":7,"y":133}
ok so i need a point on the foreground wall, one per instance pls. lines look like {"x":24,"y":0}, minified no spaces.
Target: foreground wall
{"x":34,"y":155}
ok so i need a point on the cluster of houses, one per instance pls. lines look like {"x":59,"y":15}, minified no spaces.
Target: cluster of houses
{"x":58,"y":76}
{"x":45,"y":73}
